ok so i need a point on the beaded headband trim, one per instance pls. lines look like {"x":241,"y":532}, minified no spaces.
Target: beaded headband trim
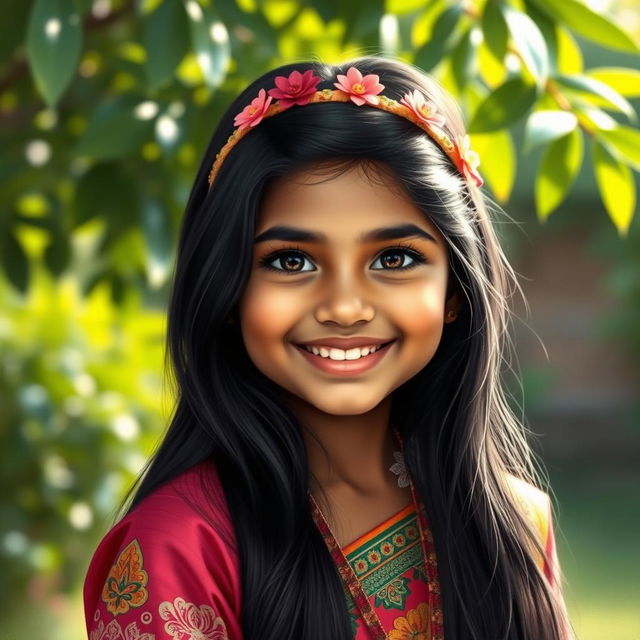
{"x":300,"y":89}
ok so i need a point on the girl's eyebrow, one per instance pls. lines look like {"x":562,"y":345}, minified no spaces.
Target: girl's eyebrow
{"x":294,"y":234}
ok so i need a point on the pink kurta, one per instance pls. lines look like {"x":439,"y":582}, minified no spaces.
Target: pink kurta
{"x":164,"y":573}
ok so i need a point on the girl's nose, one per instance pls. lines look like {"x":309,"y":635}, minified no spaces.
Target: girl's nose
{"x":345,"y":303}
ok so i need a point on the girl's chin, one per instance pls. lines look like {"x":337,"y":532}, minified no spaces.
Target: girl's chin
{"x":342,"y":404}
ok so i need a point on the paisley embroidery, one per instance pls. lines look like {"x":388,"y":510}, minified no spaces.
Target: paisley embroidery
{"x":415,"y":626}
{"x":394,"y":594}
{"x":127,"y":581}
{"x":186,"y":621}
{"x":113,"y":631}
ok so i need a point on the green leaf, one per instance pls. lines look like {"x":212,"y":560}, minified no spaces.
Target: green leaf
{"x":210,"y":40}
{"x":14,"y":258}
{"x":12,"y":31}
{"x":157,"y":228}
{"x":441,"y":40}
{"x":558,"y":169}
{"x":617,"y":188}
{"x":504,"y":106}
{"x":54,"y":43}
{"x":569,"y":53}
{"x":362,"y":22}
{"x":545,"y":126}
{"x":118,"y":287}
{"x":624,"y":143}
{"x":497,"y":161}
{"x":589,"y":24}
{"x":548,"y":29}
{"x":462,"y":60}
{"x":625,"y":81}
{"x":256,"y":26}
{"x":494,"y":29}
{"x":529,"y":41}
{"x":585,"y":84}
{"x":105,"y":191}
{"x":165,"y":36}
{"x":58,"y":252}
{"x":118,"y":127}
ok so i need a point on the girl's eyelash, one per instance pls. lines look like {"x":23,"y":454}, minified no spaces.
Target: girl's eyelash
{"x":405,"y":247}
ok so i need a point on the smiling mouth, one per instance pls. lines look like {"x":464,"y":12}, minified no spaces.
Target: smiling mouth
{"x":332,"y":354}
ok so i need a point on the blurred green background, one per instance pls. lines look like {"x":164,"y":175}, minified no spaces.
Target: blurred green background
{"x":105,"y":110}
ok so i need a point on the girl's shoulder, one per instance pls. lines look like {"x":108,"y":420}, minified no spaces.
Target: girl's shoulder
{"x":169,"y":564}
{"x":537,"y":506}
{"x":534,"y":501}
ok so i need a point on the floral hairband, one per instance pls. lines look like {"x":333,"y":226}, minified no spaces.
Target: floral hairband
{"x":300,"y":89}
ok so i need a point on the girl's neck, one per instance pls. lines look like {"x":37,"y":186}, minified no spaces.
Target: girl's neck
{"x":360,"y":447}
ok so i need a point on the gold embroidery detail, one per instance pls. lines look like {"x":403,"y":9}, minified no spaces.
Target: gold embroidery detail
{"x":186,"y":621}
{"x":113,"y":631}
{"x":126,"y":583}
{"x":414,"y":626}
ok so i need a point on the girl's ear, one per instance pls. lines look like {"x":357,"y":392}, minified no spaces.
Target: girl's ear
{"x":452,"y":307}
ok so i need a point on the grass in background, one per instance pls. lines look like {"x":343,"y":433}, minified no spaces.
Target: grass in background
{"x":598,"y":538}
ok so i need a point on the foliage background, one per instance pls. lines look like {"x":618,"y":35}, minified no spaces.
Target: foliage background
{"x":106,"y":108}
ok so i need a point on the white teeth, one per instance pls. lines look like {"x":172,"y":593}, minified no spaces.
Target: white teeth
{"x":341,"y":354}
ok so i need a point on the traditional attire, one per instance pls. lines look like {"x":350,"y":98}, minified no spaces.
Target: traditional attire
{"x":164,"y":573}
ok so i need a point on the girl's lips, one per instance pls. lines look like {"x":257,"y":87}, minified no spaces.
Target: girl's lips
{"x":344,"y":368}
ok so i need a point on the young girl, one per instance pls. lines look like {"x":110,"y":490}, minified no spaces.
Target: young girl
{"x":342,"y":461}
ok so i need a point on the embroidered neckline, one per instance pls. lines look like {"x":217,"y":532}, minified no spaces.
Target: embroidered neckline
{"x":353,"y":585}
{"x":372,"y":533}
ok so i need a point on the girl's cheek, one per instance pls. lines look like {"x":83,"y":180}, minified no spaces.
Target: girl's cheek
{"x":267,"y":313}
{"x":418,"y":308}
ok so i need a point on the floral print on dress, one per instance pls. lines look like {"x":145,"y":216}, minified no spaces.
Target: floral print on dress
{"x":126,"y":584}
{"x":414,"y":626}
{"x":186,"y":621}
{"x":114,"y":631}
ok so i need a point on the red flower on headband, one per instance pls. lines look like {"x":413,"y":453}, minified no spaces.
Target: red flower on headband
{"x":296,"y":89}
{"x":424,"y":109}
{"x":360,"y":89}
{"x":468,"y":160}
{"x":253,"y":113}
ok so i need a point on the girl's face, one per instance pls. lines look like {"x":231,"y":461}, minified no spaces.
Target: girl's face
{"x":343,"y":258}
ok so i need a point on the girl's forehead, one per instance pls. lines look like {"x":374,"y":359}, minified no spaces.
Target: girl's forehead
{"x":337,"y":205}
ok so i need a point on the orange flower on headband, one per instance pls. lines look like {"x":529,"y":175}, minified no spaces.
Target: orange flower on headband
{"x":360,"y":89}
{"x":253,"y":113}
{"x":468,"y":160}
{"x":296,"y":89}
{"x":424,"y":109}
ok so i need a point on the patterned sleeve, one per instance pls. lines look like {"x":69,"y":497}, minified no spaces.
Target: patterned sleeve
{"x":551,"y":567}
{"x":537,"y":505}
{"x":162,"y":573}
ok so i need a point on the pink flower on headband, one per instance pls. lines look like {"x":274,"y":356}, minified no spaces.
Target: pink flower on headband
{"x":468,"y":160}
{"x":253,"y":113}
{"x":360,"y":89}
{"x":296,"y":89}
{"x":424,"y":109}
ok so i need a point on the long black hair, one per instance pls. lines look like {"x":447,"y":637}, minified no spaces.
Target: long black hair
{"x":461,"y":438}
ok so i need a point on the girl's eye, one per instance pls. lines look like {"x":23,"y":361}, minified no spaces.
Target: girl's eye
{"x":394,"y":259}
{"x":289,"y":261}
{"x":293,"y":261}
